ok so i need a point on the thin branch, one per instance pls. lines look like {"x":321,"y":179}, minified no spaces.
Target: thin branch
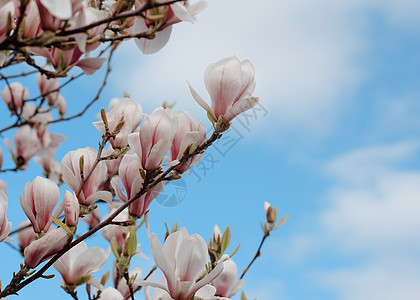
{"x":256,"y":255}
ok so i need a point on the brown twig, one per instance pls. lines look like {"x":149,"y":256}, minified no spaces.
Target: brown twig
{"x":256,"y":255}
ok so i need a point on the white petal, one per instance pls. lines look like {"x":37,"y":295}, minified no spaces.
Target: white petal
{"x":61,"y":9}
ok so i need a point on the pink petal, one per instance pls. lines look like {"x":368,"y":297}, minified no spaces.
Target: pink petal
{"x":91,"y":65}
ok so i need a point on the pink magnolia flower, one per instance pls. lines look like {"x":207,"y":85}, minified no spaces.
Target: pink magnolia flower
{"x":230,"y":84}
{"x":1,"y":157}
{"x":188,"y":132}
{"x":133,"y":182}
{"x":38,"y":202}
{"x":45,"y":247}
{"x":71,"y":209}
{"x":64,"y":60}
{"x":5,"y":226}
{"x":132,"y":113}
{"x":80,"y":261}
{"x":177,"y":12}
{"x":227,"y":283}
{"x":14,"y":95}
{"x":27,"y":145}
{"x":61,"y":105}
{"x":49,"y":164}
{"x":154,"y":139}
{"x":47,"y":86}
{"x":25,"y":236}
{"x":182,"y":260}
{"x":70,"y":168}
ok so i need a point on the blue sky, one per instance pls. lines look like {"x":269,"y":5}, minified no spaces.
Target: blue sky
{"x":338,"y":149}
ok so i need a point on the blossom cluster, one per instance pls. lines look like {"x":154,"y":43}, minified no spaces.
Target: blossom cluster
{"x":144,"y":151}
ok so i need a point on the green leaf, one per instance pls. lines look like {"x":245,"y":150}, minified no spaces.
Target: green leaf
{"x":132,"y":242}
{"x":105,"y":278}
{"x":114,"y":250}
{"x":210,"y":117}
{"x":243,"y":297}
{"x":281,"y":222}
{"x":225,"y":239}
{"x":62,"y":225}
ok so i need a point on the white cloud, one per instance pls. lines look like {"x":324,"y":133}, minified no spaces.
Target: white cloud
{"x":373,"y":220}
{"x":306,"y":54}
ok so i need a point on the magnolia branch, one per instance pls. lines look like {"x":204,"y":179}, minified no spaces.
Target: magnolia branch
{"x":17,"y":284}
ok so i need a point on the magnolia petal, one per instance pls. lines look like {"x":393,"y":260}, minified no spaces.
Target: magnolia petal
{"x":102,"y":195}
{"x":61,"y":9}
{"x":236,"y":287}
{"x":200,"y":101}
{"x":182,"y":13}
{"x":157,"y":153}
{"x":152,"y":46}
{"x":207,"y":279}
{"x":91,"y":65}
{"x":117,"y":188}
{"x":206,"y":292}
{"x":240,"y":106}
{"x":152,"y":284}
{"x":161,"y":262}
{"x":198,"y":7}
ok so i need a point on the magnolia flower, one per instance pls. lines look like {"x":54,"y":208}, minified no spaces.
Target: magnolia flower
{"x":64,"y":60}
{"x":230,"y":84}
{"x":182,"y":260}
{"x":133,"y":183}
{"x":80,"y":261}
{"x":38,"y":201}
{"x":45,"y":247}
{"x":27,"y":145}
{"x":49,"y":164}
{"x":154,"y":139}
{"x":188,"y":133}
{"x":176,"y":12}
{"x":25,"y":236}
{"x":71,"y":209}
{"x":49,"y":87}
{"x":14,"y":95}
{"x":61,"y":105}
{"x":127,"y":110}
{"x":70,"y":168}
{"x":227,"y":283}
{"x":5,"y":226}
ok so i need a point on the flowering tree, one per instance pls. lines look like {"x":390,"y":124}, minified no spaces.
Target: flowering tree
{"x":137,"y":153}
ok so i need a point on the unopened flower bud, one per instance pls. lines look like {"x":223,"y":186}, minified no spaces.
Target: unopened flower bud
{"x":269,"y":212}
